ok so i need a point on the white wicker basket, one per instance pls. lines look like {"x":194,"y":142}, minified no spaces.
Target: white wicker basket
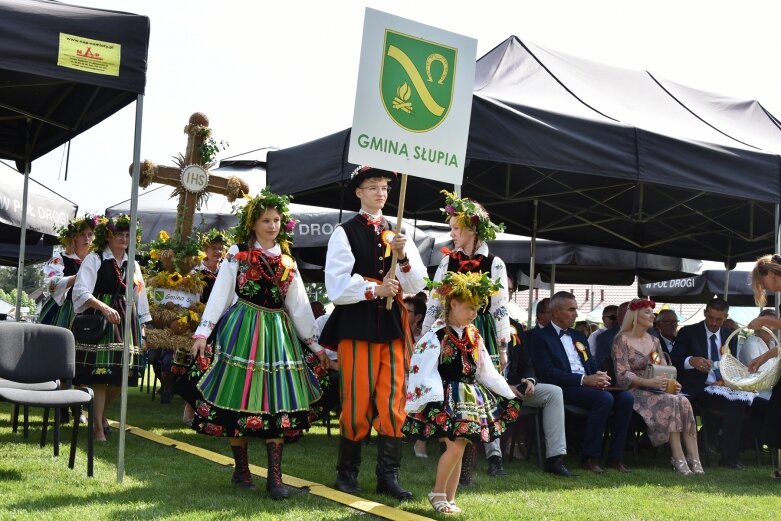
{"x":736,"y":375}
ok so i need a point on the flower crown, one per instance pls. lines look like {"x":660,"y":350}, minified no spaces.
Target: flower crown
{"x":470,"y":215}
{"x":640,"y":304}
{"x":254,"y":208}
{"x":213,"y":236}
{"x":473,"y":287}
{"x":106,"y":228}
{"x":66,"y":233}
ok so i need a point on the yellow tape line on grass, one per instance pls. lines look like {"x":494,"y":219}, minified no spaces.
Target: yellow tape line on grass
{"x":317,"y":489}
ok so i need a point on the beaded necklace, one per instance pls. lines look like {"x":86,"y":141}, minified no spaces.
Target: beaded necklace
{"x":120,"y":278}
{"x":463,"y":346}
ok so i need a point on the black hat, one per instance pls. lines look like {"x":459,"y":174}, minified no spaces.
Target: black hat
{"x":364,"y":172}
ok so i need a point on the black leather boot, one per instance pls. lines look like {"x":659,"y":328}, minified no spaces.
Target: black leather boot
{"x":347,"y":466}
{"x":241,"y":475}
{"x":468,"y":462}
{"x":274,"y":483}
{"x":388,"y":463}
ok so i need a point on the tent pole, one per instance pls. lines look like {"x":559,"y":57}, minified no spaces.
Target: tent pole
{"x":778,"y":249}
{"x":552,"y":279}
{"x":22,"y":244}
{"x":130,"y":295}
{"x":23,"y":230}
{"x":533,"y":252}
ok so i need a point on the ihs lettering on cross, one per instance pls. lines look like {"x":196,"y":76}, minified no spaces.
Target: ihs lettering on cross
{"x":191,"y":178}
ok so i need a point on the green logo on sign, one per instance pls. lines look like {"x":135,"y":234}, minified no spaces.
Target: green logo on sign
{"x":416,"y":83}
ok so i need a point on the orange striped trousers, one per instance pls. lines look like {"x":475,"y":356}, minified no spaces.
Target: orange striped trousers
{"x":372,"y":388}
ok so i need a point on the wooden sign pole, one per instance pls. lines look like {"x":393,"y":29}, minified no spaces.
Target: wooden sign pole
{"x":399,"y":217}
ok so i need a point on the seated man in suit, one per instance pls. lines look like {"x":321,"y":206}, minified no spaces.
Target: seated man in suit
{"x":520,"y":373}
{"x":667,"y":325}
{"x":561,"y":357}
{"x":696,"y":349}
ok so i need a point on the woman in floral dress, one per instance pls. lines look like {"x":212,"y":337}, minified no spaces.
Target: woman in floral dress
{"x":255,"y":382}
{"x":668,"y":416}
{"x":454,"y":392}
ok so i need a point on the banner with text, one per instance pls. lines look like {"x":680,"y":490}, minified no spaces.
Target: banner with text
{"x":414,"y":98}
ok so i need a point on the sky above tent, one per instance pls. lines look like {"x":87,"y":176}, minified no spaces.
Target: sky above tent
{"x":280,"y":74}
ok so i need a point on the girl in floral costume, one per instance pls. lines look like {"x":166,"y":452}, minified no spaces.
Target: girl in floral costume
{"x":470,"y":229}
{"x":453,"y":385}
{"x":253,"y":380}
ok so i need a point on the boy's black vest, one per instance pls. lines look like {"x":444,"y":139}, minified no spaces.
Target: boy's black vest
{"x":368,"y":319}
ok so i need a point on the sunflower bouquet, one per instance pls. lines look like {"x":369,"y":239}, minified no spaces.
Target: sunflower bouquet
{"x":176,"y":254}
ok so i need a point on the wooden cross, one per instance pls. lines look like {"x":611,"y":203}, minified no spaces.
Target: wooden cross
{"x":191,"y":178}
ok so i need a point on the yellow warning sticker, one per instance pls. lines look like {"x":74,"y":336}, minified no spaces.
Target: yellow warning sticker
{"x":88,"y":55}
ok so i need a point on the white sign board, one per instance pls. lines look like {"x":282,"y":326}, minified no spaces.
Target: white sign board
{"x":165,"y":295}
{"x":414,"y":98}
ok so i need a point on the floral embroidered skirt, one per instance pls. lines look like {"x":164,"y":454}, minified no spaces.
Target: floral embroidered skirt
{"x":55,"y":315}
{"x":101,"y":363}
{"x":256,"y":382}
{"x":469,"y":411}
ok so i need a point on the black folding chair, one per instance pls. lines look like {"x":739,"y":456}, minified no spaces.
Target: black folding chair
{"x":34,"y":354}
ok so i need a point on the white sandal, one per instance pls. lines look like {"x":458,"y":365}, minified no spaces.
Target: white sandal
{"x":442,"y":506}
{"x":454,"y":508}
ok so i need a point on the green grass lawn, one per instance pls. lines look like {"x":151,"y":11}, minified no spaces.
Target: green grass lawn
{"x":165,"y":483}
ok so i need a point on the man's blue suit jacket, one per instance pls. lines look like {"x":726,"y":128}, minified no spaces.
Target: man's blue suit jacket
{"x":550,"y":359}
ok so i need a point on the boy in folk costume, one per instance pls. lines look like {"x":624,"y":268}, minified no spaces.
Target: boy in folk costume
{"x":374,"y":342}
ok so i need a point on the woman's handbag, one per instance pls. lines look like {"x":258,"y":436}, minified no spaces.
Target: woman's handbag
{"x":89,"y":327}
{"x":655,"y":369}
{"x":736,"y":375}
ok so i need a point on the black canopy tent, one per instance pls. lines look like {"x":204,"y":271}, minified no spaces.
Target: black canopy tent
{"x":157,"y":211}
{"x":701,"y":288}
{"x":46,"y":211}
{"x":63,"y":69}
{"x":559,"y":262}
{"x":580,"y":152}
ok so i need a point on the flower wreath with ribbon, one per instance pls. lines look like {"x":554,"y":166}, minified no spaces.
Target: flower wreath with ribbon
{"x":106,"y":228}
{"x":255,"y":207}
{"x":213,"y":236}
{"x":65,"y":234}
{"x":474,"y":288}
{"x":470,"y":215}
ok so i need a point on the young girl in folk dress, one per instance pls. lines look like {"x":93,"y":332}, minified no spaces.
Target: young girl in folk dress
{"x":453,"y":384}
{"x":256,"y":382}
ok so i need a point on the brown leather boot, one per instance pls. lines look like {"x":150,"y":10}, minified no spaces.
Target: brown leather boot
{"x":274,"y":483}
{"x":242,"y":477}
